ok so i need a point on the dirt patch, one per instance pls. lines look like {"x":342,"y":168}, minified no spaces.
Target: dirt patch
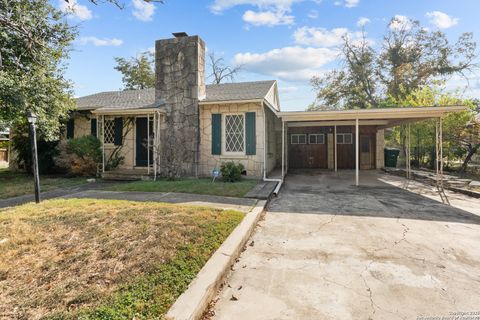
{"x":64,"y":258}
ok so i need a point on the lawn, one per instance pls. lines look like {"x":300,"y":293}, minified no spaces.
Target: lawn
{"x":103,"y":259}
{"x":14,"y":184}
{"x":198,"y":186}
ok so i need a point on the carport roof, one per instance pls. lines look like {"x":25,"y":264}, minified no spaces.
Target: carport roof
{"x":382,"y":116}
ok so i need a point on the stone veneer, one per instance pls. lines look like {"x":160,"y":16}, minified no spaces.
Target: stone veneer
{"x":180,"y":84}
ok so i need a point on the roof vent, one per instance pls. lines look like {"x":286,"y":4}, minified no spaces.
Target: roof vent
{"x":180,"y":34}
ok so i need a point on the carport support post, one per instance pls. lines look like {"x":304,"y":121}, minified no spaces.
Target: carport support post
{"x":356,"y":151}
{"x":283,"y":149}
{"x":335,"y":145}
{"x":439,"y":152}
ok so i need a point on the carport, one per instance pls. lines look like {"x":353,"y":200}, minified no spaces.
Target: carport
{"x":351,"y":139}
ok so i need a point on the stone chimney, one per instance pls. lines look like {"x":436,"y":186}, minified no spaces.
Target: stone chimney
{"x":180,"y":85}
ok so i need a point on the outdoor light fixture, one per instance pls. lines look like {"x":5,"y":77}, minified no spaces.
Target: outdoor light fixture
{"x":32,"y":119}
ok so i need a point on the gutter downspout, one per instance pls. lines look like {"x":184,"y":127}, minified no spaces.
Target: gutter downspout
{"x":279,"y":181}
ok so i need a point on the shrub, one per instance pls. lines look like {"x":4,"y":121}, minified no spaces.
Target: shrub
{"x":231,"y":171}
{"x":80,"y":156}
{"x":46,"y":150}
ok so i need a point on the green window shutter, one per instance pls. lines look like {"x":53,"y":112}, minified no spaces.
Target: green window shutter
{"x":251,"y":138}
{"x":93,"y":127}
{"x":216,"y":133}
{"x":70,"y":128}
{"x":118,"y":131}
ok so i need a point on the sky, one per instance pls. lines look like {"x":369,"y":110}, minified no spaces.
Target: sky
{"x":285,"y":40}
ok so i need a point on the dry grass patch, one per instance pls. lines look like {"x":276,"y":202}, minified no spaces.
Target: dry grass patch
{"x":103,"y":259}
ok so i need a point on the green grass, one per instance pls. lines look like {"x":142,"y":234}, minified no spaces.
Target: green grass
{"x":14,"y":184}
{"x":198,"y":186}
{"x":103,"y":259}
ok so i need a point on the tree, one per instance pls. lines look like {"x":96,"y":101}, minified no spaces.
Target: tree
{"x":461,"y":131}
{"x":34,"y":43}
{"x":220,"y":71}
{"x":410,"y":57}
{"x":138,"y":72}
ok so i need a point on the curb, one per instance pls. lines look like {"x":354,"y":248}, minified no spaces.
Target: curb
{"x":192,"y":303}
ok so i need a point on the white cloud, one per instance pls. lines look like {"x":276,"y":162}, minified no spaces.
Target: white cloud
{"x":267,"y":18}
{"x":287,"y":89}
{"x":351,"y":3}
{"x":441,"y":20}
{"x":101,"y":42}
{"x":221,"y":5}
{"x":313,"y":14}
{"x":321,"y":37}
{"x":363,"y":21}
{"x":142,"y":10}
{"x":347,"y":3}
{"x":75,"y":10}
{"x":400,"y":22}
{"x":288,"y":63}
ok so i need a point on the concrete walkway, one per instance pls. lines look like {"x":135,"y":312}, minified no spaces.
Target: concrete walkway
{"x":329,"y":250}
{"x":240,"y":204}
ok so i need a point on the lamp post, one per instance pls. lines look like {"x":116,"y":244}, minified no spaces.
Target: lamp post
{"x":32,"y":119}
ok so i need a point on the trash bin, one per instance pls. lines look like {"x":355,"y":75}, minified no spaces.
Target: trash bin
{"x":391,"y":156}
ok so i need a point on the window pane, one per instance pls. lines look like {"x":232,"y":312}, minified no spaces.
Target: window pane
{"x":109,"y":131}
{"x":312,"y":138}
{"x":302,"y":139}
{"x":294,"y":139}
{"x":321,"y":139}
{"x":234,"y":133}
{"x":348,"y":138}
{"x":340,"y":138}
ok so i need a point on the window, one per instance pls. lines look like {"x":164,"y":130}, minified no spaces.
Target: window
{"x":298,"y":139}
{"x":344,"y":138}
{"x":316,"y":138}
{"x":234,"y":133}
{"x":109,"y":131}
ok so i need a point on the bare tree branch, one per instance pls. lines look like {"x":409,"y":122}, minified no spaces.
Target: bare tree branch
{"x":220,"y":71}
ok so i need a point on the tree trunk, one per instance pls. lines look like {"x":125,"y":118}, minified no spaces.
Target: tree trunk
{"x":471,"y":152}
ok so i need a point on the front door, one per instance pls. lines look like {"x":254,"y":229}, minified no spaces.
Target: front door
{"x":366,"y":152}
{"x":141,"y":143}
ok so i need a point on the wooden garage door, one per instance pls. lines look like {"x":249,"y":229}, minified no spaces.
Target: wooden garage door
{"x":308,"y":147}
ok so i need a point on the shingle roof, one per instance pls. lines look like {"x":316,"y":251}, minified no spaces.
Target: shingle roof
{"x":128,"y":99}
{"x":145,"y":98}
{"x":238,"y":91}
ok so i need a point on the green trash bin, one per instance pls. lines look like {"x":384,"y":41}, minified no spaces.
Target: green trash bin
{"x":391,"y":156}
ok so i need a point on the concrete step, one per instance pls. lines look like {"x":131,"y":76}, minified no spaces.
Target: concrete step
{"x":263,"y":190}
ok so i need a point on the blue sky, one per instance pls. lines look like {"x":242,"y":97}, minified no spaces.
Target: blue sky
{"x":286,"y":40}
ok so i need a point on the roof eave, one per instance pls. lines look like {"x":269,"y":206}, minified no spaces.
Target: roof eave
{"x":393,"y":113}
{"x":230,"y":101}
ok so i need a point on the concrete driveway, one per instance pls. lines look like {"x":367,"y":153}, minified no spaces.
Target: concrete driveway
{"x":329,"y":250}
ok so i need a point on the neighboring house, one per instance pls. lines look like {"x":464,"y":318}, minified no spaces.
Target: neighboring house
{"x":186,"y":128}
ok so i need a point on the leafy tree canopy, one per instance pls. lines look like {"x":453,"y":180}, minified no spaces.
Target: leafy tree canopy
{"x":138,"y":72}
{"x":410,"y":57}
{"x":34,"y":41}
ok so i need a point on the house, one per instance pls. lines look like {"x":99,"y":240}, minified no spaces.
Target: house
{"x":184,"y":127}
{"x":4,"y":145}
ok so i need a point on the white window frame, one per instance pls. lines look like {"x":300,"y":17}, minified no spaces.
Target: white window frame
{"x":224,"y":134}
{"x":343,"y":138}
{"x":316,"y":135}
{"x":298,"y":135}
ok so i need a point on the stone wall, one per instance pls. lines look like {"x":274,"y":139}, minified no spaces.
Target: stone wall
{"x":253,"y":163}
{"x":180,"y":82}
